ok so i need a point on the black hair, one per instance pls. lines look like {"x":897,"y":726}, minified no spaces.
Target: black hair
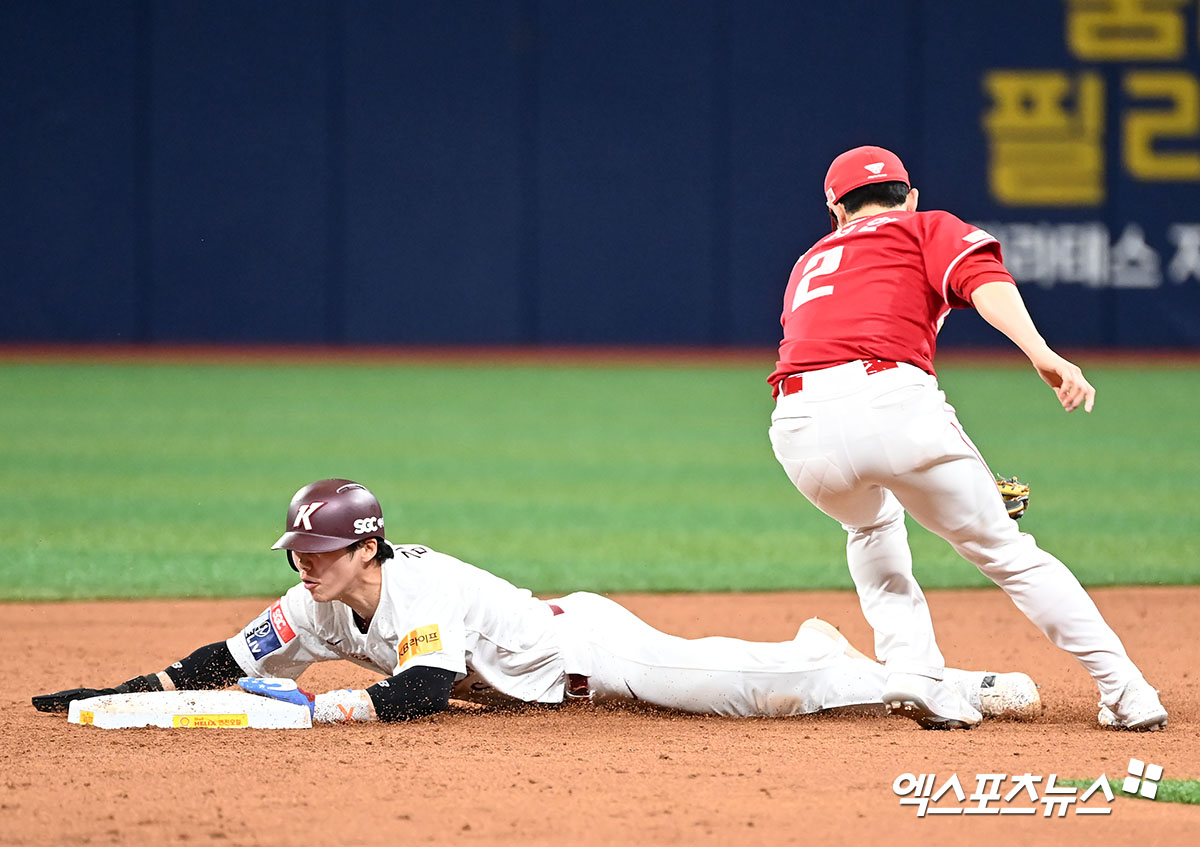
{"x":383,"y":550}
{"x":886,"y":194}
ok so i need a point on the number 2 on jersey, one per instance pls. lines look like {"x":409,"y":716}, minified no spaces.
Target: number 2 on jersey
{"x":825,"y":262}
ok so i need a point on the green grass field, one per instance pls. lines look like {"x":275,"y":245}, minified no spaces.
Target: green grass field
{"x":1185,"y":791}
{"x":168,"y":479}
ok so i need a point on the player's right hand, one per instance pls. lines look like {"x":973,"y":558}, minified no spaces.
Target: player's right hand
{"x":1067,"y":380}
{"x":60,"y":701}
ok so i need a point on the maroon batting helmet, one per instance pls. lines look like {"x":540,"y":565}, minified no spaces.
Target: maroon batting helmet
{"x":330,"y":514}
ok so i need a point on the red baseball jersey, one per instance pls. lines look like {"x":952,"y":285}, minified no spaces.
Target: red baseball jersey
{"x":880,"y":287}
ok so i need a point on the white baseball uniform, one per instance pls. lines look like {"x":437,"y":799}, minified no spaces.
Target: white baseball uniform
{"x":863,"y":431}
{"x":503,"y":644}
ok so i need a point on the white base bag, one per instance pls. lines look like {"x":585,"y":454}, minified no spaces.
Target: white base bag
{"x":189,"y":710}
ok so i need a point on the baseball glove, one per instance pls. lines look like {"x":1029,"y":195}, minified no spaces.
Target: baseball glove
{"x":1015,"y":494}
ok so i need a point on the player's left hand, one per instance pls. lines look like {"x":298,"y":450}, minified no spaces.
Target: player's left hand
{"x":60,"y":701}
{"x":278,"y":689}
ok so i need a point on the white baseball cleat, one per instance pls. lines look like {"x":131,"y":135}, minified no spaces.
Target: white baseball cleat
{"x":1013,"y":696}
{"x":1138,"y":709}
{"x":930,"y":702}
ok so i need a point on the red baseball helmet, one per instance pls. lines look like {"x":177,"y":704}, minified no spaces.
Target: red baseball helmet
{"x":862,"y":166}
{"x":330,"y":514}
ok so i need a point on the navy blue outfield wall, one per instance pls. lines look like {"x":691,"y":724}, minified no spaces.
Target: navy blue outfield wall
{"x":551,"y":172}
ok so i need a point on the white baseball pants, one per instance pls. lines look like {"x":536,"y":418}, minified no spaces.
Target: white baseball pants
{"x":626,"y":659}
{"x":865,"y":448}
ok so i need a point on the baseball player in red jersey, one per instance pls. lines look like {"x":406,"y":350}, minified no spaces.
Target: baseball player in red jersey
{"x":863,"y":431}
{"x":436,"y":627}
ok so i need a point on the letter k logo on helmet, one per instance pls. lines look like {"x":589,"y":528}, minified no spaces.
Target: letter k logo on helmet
{"x":305,"y":512}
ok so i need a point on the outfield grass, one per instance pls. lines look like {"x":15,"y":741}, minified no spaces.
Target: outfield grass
{"x":161,"y":479}
{"x":1185,"y":791}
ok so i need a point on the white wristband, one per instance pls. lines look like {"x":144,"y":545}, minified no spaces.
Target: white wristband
{"x":347,"y":704}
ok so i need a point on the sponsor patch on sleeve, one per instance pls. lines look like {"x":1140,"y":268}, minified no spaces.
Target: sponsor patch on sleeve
{"x":282,"y":627}
{"x":423,"y":639}
{"x":268,"y":632}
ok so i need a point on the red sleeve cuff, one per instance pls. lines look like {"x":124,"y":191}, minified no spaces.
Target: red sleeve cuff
{"x":977,"y":269}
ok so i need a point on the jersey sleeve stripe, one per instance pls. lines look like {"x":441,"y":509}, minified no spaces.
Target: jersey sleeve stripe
{"x":959,"y":258}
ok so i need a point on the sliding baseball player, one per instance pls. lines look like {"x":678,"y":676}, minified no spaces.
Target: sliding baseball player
{"x":438,"y":628}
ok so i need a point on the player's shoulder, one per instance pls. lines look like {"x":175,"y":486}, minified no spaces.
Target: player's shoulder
{"x":419,"y":567}
{"x":420,"y":561}
{"x":954,"y":232}
{"x":419,"y":577}
{"x":939,"y":215}
{"x":938,"y":221}
{"x":298,"y":600}
{"x":300,"y":609}
{"x":415,"y":552}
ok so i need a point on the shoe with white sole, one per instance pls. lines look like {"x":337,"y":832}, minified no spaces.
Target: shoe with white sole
{"x":1012,"y":696}
{"x":930,"y":702}
{"x":1138,"y":709}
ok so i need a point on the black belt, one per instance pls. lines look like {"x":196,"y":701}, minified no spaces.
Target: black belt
{"x":577,"y":683}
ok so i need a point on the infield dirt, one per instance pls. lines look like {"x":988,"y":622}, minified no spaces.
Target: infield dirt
{"x":580,"y":774}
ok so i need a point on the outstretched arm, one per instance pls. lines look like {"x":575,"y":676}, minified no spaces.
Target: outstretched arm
{"x":1001,"y":305}
{"x":413,"y":693}
{"x":212,"y":666}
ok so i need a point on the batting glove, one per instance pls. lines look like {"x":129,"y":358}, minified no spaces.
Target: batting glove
{"x":278,"y":689}
{"x":60,"y":701}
